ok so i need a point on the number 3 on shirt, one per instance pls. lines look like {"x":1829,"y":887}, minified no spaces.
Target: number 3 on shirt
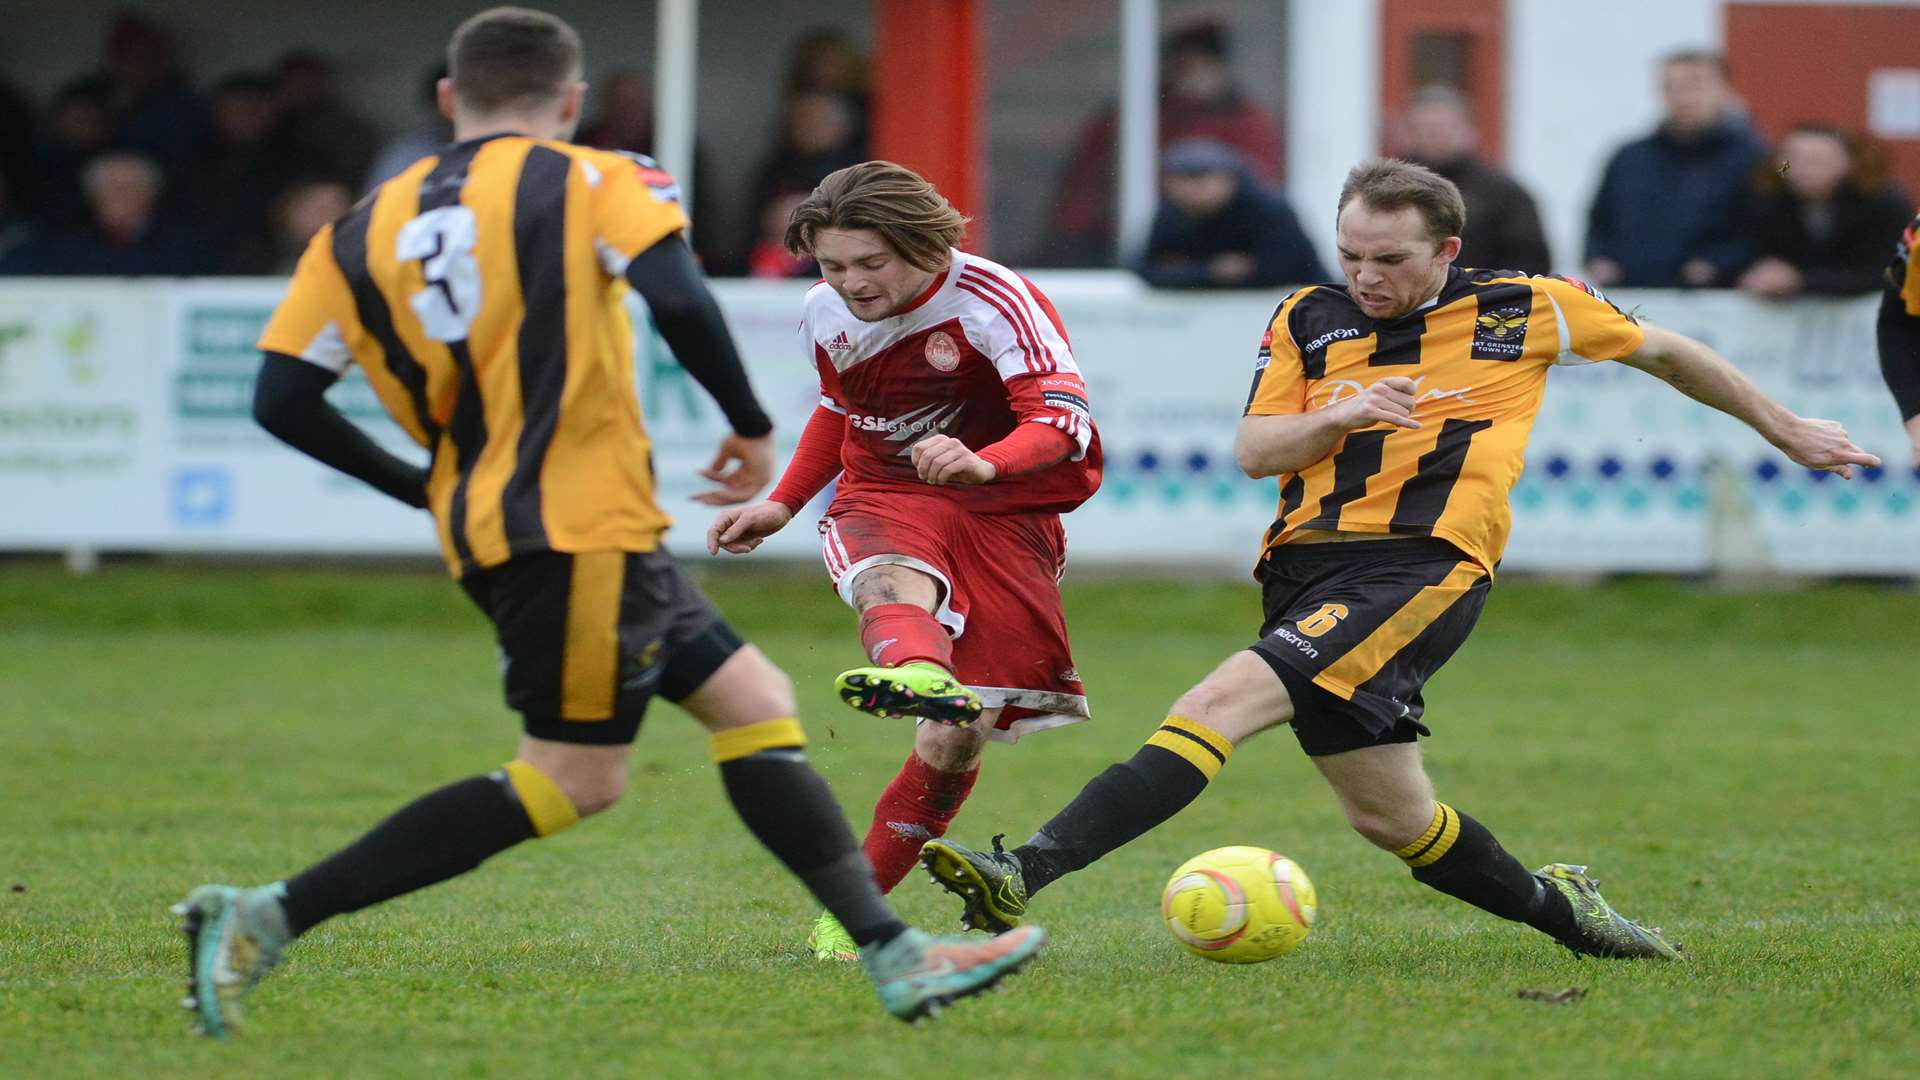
{"x":442,"y":241}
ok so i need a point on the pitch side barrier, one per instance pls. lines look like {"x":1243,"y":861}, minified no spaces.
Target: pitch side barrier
{"x":124,"y":426}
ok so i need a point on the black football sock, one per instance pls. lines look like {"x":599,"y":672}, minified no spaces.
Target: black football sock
{"x":786,"y":805}
{"x":1459,"y":857}
{"x":437,"y":836}
{"x":1128,"y":799}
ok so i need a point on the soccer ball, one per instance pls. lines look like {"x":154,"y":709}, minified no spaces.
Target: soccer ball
{"x":1239,"y":905}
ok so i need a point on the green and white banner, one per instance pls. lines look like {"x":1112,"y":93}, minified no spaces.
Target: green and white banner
{"x":125,"y":425}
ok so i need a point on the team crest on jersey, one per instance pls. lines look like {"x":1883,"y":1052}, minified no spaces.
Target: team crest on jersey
{"x":1500,"y":333}
{"x":942,"y":353}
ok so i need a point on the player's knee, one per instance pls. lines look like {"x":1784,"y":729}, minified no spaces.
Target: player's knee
{"x":596,"y":788}
{"x":1388,"y":827}
{"x":949,"y":749}
{"x":747,"y":689}
{"x":560,"y":783}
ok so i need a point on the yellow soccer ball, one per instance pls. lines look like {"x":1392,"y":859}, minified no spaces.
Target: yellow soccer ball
{"x":1239,"y":905}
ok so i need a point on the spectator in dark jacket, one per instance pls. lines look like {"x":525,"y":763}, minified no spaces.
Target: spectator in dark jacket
{"x":127,"y":236}
{"x":1199,"y":99}
{"x":1671,"y":205}
{"x":1503,"y":226}
{"x":1821,"y":225}
{"x":1218,"y":228}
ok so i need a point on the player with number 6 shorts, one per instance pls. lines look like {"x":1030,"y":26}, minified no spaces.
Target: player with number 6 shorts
{"x":1393,"y":410}
{"x":955,"y":420}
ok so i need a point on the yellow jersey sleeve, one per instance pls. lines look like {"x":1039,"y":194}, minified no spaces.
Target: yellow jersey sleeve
{"x":1903,"y":277}
{"x":635,"y":206}
{"x":316,"y":318}
{"x":1591,"y":328}
{"x":1279,"y":378}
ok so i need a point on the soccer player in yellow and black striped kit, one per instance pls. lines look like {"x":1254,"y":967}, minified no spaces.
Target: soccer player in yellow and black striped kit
{"x":481,"y":292}
{"x":1899,"y":333}
{"x":1394,"y":411}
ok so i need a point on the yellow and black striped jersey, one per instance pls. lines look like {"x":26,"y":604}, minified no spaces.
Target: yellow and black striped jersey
{"x":1903,"y":276}
{"x":481,"y":291}
{"x":1478,"y":354}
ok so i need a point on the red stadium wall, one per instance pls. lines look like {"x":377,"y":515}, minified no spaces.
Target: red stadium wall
{"x":1796,"y":62}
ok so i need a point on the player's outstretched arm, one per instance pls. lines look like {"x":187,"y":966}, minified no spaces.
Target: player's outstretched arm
{"x":1270,"y":445}
{"x":1700,"y":373}
{"x":289,"y":400}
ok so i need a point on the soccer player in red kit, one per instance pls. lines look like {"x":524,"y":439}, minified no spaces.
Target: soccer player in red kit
{"x":954,"y":416}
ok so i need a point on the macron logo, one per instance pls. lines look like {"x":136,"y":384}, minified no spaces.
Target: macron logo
{"x":839,"y":343}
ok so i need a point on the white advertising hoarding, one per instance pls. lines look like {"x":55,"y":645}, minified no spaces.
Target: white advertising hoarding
{"x":125,"y":424}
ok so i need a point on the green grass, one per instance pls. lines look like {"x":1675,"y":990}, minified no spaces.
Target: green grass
{"x":1735,"y":766}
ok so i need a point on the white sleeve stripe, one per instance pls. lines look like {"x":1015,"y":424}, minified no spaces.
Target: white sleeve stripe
{"x":1566,"y":355}
{"x":1020,"y":338}
{"x":1014,"y":308}
{"x":831,"y":404}
{"x":610,"y":258}
{"x":1040,"y":325}
{"x":328,"y":349}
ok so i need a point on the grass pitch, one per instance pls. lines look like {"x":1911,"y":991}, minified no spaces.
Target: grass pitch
{"x":1735,"y":766}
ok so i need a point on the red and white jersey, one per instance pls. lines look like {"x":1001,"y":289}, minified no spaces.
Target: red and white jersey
{"x":980,"y":352}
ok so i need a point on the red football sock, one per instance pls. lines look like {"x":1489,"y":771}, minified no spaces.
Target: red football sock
{"x":916,"y":807}
{"x":896,"y":634}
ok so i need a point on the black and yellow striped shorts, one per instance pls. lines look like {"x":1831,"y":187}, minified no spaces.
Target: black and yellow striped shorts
{"x":1356,"y":629}
{"x":587,"y":640}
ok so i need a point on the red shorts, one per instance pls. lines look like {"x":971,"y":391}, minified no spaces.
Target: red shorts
{"x":1001,"y":598}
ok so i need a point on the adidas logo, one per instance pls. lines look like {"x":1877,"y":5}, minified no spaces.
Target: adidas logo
{"x":839,"y":343}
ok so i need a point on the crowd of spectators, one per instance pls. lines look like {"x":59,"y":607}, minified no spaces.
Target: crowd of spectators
{"x":129,"y":170}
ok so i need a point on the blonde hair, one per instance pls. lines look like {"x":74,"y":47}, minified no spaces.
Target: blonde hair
{"x":915,"y":220}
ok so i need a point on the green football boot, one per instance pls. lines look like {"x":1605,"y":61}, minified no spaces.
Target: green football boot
{"x":830,"y":941}
{"x":992,"y":884}
{"x":1598,"y":929}
{"x":234,"y":937}
{"x":922,"y":690}
{"x":918,"y":974}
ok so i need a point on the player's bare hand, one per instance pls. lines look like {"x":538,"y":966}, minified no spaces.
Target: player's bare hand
{"x":1389,"y":401}
{"x":943,"y":459}
{"x":1823,"y":445}
{"x":741,"y":467}
{"x":744,"y":528}
{"x":1913,"y":436}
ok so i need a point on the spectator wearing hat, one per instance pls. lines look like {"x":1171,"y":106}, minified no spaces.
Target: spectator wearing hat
{"x":1218,"y":227}
{"x":1199,"y":98}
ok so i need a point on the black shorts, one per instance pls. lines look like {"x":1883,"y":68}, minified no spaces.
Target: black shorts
{"x":587,"y":640}
{"x":1355,"y":629}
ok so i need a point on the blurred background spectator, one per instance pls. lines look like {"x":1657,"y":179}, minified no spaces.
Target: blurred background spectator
{"x":1198,"y":99}
{"x":1820,"y":220}
{"x":306,"y":86}
{"x":127,"y":234}
{"x":154,"y":108}
{"x":1670,"y":206}
{"x":1218,"y":227}
{"x":1503,"y":226}
{"x":818,"y":135}
{"x":79,"y":125}
{"x":253,"y":157}
{"x":300,"y":211}
{"x":770,"y":257}
{"x":620,"y":117}
{"x":431,"y":132}
{"x":827,"y":61}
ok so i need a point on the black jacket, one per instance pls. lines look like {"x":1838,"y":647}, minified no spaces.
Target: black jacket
{"x":1665,"y":200}
{"x":1845,"y":254}
{"x":1503,"y":225}
{"x":1256,"y":222}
